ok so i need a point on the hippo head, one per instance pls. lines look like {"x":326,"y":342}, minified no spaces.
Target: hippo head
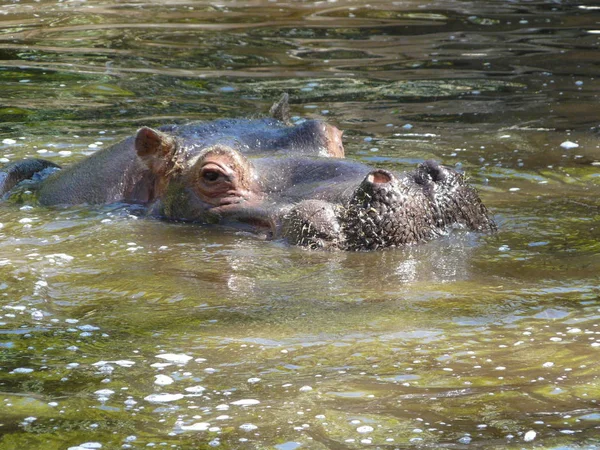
{"x":390,"y":210}
{"x":378,"y":210}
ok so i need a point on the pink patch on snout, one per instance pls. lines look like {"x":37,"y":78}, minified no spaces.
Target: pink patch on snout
{"x":379,"y":177}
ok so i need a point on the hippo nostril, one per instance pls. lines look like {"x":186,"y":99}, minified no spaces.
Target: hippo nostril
{"x":434,"y":170}
{"x":379,"y":177}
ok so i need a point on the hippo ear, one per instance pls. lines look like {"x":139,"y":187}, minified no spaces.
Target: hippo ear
{"x":155,"y":149}
{"x":281,"y":109}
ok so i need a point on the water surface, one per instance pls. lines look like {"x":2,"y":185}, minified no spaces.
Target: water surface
{"x":121,"y":332}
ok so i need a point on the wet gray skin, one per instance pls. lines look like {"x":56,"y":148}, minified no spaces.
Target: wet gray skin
{"x":323,"y":203}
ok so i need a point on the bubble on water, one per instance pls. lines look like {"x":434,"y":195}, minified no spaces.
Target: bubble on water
{"x":163,"y":398}
{"x":248,"y":427}
{"x":548,"y":364}
{"x":223,"y":417}
{"x":123,"y":363}
{"x":215,"y":442}
{"x":222,"y":407}
{"x":210,"y":370}
{"x":163,"y":380}
{"x":22,"y":370}
{"x":253,"y":380}
{"x":195,"y":389}
{"x":567,"y":145}
{"x":60,"y":256}
{"x":529,"y":436}
{"x":160,"y":365}
{"x":245,"y":402}
{"x":9,"y":141}
{"x":87,"y":446}
{"x":305,"y":389}
{"x":177,"y":358}
{"x":365,"y":429}
{"x":88,"y":328}
{"x":465,"y":440}
{"x":104,"y":392}
{"x":503,"y":248}
{"x":200,"y":426}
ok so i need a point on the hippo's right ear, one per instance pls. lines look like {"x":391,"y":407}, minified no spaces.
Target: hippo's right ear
{"x":156,"y":149}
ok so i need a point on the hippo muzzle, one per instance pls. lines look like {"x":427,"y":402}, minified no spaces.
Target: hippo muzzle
{"x":387,"y":211}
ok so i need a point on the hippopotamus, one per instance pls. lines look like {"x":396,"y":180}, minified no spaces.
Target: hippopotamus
{"x":322,"y":202}
{"x":283,"y":181}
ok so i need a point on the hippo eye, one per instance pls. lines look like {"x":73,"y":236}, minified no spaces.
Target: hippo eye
{"x":211,"y":175}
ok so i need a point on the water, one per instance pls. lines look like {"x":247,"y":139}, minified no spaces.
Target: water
{"x":119,"y":332}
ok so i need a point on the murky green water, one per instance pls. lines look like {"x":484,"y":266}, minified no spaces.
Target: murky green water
{"x":130,"y":333}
